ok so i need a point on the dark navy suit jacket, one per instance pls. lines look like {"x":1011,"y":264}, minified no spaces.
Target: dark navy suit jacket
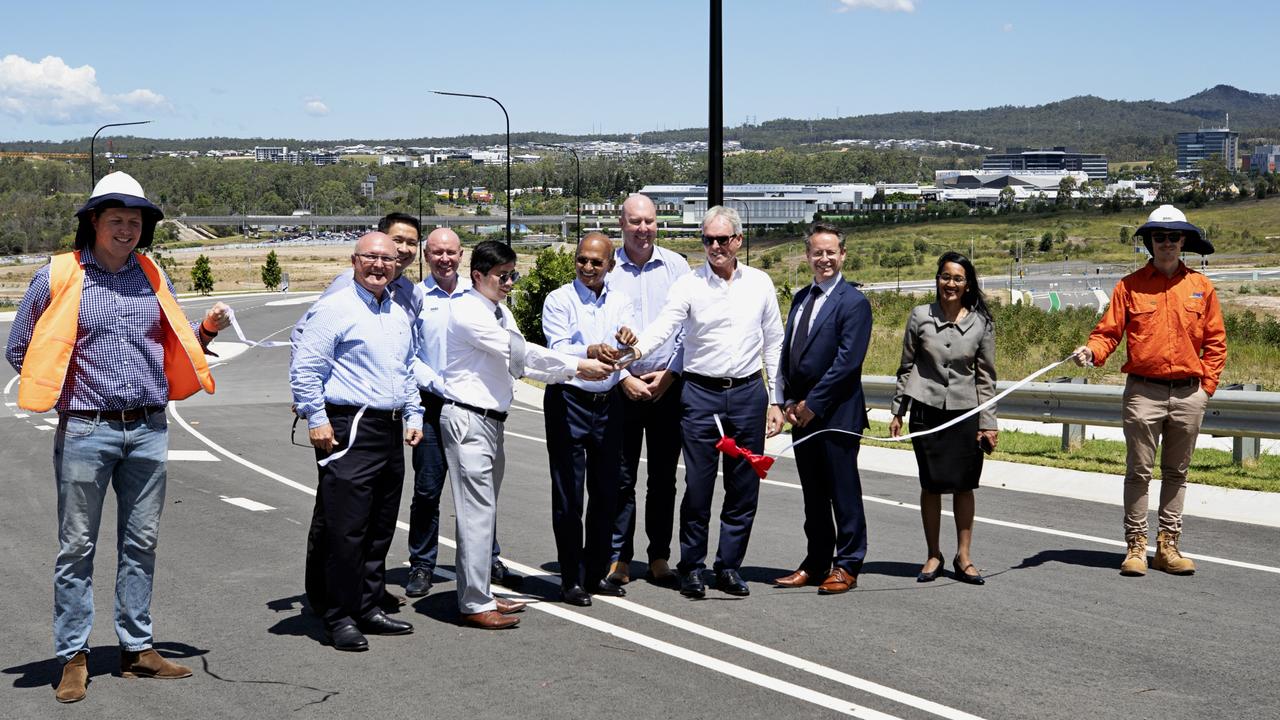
{"x":828,"y":374}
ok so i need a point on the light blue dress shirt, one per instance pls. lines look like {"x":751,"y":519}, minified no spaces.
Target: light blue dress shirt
{"x":573,"y":317}
{"x":356,"y":351}
{"x":432,"y":329}
{"x":647,"y":286}
{"x":403,"y":292}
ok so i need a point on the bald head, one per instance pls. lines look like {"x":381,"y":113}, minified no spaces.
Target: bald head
{"x":639,"y":221}
{"x":374,"y":262}
{"x":444,"y":256}
{"x":593,"y":260}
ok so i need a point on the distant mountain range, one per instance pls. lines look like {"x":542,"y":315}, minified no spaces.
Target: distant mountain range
{"x":1125,"y":130}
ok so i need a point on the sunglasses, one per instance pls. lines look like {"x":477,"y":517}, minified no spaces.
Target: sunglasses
{"x":1166,"y":237}
{"x":511,"y":276}
{"x":593,"y":262}
{"x":723,"y":240}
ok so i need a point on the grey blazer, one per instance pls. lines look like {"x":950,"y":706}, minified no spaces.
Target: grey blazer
{"x":951,"y":366}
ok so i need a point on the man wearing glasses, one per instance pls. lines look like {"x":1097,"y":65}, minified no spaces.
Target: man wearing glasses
{"x":1177,"y":345}
{"x":484,"y":354}
{"x":645,"y":272}
{"x":733,"y":330}
{"x":584,"y":420}
{"x":350,"y":378}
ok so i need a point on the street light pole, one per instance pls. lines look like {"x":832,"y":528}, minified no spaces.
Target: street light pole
{"x":746,"y":209}
{"x":577,"y":188}
{"x":93,"y":174}
{"x":508,"y":117}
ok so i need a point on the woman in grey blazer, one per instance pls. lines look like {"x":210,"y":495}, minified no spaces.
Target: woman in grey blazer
{"x":948,"y":368}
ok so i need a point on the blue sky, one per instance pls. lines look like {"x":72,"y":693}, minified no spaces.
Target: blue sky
{"x":328,"y":70}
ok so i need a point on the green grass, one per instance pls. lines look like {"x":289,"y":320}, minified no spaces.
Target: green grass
{"x":1208,"y":466}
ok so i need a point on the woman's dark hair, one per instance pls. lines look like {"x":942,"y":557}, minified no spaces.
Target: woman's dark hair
{"x":973,"y":299}
{"x":489,"y":255}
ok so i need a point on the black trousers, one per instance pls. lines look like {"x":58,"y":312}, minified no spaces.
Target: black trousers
{"x":834,"y":523}
{"x":354,"y":521}
{"x":653,"y":423}
{"x":584,"y":446}
{"x":741,"y":410}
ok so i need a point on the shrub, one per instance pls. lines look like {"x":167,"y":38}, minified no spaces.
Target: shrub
{"x":551,"y":270}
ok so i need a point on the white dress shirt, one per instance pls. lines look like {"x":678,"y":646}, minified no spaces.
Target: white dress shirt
{"x":647,"y":285}
{"x":574,"y":317}
{"x":431,"y":330}
{"x":478,"y":355}
{"x":731,"y":329}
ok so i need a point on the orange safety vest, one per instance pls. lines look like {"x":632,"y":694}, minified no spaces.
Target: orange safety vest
{"x":44,"y":369}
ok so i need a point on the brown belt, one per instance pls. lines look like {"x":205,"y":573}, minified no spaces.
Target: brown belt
{"x":128,"y":416}
{"x":1179,"y":382}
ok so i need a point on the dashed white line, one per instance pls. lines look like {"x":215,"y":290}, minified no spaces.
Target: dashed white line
{"x":247,"y":504}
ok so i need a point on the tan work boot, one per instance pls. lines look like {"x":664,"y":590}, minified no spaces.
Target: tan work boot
{"x":1135,"y":561}
{"x":149,"y":663}
{"x":619,"y":573}
{"x":1168,"y":558}
{"x":75,"y":678}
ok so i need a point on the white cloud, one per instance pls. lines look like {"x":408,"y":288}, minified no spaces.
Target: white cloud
{"x":885,"y":5}
{"x":53,"y":93}
{"x":1008,"y":27}
{"x":316,"y":108}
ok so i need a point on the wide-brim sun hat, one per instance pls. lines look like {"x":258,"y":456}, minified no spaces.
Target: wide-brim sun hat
{"x":1168,"y":217}
{"x":117,"y":189}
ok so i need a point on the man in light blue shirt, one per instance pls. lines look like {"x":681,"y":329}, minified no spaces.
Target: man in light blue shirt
{"x":350,"y":379}
{"x":651,"y":395}
{"x":584,"y":421}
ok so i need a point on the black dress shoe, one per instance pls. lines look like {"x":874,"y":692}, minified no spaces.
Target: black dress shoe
{"x":379,"y":624}
{"x":419,"y":583}
{"x":691,"y":585}
{"x":604,"y":587}
{"x":503,"y":576}
{"x":730,"y":582}
{"x":346,"y":638}
{"x":575,"y":595}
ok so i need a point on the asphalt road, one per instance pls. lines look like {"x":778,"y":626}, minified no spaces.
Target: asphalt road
{"x":1055,"y":633}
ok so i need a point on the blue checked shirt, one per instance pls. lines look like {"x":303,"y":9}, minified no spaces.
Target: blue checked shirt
{"x":647,"y":285}
{"x":573,"y":318}
{"x":355,"y":351}
{"x":118,"y":359}
{"x":432,"y":330}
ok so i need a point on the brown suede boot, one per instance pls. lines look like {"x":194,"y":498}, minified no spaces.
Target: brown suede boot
{"x":149,"y":663}
{"x":1168,"y":558}
{"x":1135,"y":561}
{"x":75,"y":678}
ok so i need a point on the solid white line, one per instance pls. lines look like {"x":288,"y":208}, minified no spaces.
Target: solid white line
{"x":9,"y":386}
{"x":193,"y":456}
{"x":173,"y":410}
{"x":247,"y":504}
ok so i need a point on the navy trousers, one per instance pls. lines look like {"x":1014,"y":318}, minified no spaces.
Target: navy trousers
{"x":584,"y":445}
{"x":741,"y":410}
{"x":832,"y":490}
{"x":653,"y":423}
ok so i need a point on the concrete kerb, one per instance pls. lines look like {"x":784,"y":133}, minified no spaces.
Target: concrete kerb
{"x":1218,"y":503}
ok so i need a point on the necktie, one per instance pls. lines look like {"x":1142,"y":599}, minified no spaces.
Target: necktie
{"x":515,"y":363}
{"x":802,"y":329}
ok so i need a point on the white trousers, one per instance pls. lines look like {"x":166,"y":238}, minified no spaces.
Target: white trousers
{"x":473,"y":448}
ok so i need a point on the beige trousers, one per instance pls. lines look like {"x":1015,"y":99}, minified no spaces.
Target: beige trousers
{"x":1170,"y":417}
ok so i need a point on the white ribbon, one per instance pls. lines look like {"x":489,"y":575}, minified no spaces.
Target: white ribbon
{"x":231,"y":315}
{"x":351,"y":438}
{"x":921,"y":433}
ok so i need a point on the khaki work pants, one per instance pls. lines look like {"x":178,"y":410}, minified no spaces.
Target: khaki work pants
{"x":1156,"y":414}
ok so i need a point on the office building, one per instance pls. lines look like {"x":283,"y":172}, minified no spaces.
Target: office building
{"x":1265,"y":158}
{"x":1057,"y":159}
{"x":1203,"y":144}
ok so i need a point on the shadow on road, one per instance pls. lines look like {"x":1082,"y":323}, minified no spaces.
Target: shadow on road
{"x":103,"y":660}
{"x":1084,"y":558}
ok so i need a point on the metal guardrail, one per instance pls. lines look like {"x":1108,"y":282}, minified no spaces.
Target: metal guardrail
{"x":1231,"y":413}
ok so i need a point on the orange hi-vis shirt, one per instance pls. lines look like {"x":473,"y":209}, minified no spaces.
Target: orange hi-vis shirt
{"x":1174,"y":326}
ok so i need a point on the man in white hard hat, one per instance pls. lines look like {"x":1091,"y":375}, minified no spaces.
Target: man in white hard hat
{"x":134,"y":351}
{"x":1177,"y":345}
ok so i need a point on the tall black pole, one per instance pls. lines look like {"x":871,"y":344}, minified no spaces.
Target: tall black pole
{"x":715,"y":112}
{"x":421,"y":240}
{"x":508,"y":117}
{"x":93,"y":172}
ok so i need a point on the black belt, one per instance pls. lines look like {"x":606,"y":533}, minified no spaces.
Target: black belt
{"x":587,"y":395}
{"x":130,"y":415}
{"x":719,"y":383}
{"x":349,"y":410}
{"x":491,"y":414}
{"x":1180,"y":382}
{"x":430,"y":399}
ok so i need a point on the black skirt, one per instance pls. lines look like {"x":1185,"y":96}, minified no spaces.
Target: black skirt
{"x":950,"y":461}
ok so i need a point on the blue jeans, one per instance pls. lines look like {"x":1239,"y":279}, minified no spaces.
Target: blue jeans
{"x":89,"y":455}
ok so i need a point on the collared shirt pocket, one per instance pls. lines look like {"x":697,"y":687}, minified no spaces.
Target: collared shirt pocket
{"x":1142,"y":321}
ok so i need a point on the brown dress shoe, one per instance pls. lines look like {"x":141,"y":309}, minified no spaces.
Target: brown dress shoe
{"x":509,"y":607}
{"x":75,"y":678}
{"x":799,"y":578}
{"x":490,"y":620}
{"x":149,"y":663}
{"x":619,"y":572}
{"x":837,"y":582}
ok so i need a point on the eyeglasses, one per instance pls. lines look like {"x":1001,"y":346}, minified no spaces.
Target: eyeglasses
{"x":593,"y":262}
{"x":511,"y":276}
{"x":952,"y":279}
{"x":1166,"y":237}
{"x":723,"y":240}
{"x":375,"y":259}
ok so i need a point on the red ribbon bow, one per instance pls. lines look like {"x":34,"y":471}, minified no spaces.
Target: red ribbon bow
{"x":759,"y":463}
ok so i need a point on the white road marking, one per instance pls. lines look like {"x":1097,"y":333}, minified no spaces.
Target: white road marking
{"x":9,"y":386}
{"x":247,"y":504}
{"x":299,"y":300}
{"x":43,"y":427}
{"x":51,"y":421}
{"x":21,"y":415}
{"x":11,"y":404}
{"x":193,"y":456}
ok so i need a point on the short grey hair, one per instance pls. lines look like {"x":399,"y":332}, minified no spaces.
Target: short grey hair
{"x":720,"y":211}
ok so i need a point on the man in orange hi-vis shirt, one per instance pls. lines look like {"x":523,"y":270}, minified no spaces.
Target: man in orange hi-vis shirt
{"x":1177,"y":347}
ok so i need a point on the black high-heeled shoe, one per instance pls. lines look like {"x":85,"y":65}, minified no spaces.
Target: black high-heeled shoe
{"x":931,"y":576}
{"x":975,"y":579}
